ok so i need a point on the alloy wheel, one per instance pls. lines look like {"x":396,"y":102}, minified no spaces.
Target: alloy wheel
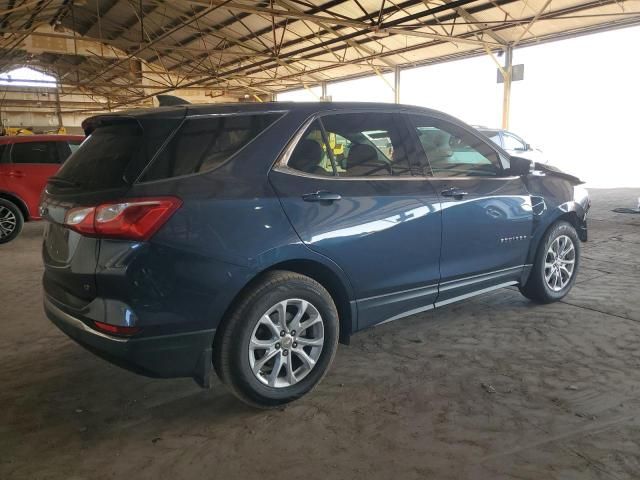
{"x":286,"y":343}
{"x":8,"y":222}
{"x":559,"y":263}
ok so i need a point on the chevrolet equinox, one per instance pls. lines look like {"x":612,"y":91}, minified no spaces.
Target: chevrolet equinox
{"x":252,"y":238}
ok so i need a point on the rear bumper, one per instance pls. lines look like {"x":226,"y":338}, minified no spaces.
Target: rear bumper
{"x":172,"y":355}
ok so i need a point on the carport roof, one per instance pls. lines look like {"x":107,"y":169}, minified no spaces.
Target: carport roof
{"x":128,"y":51}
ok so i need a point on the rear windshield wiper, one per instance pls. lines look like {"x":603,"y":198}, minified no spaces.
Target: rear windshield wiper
{"x":63,"y":182}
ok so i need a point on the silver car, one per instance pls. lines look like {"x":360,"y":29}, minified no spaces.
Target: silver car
{"x":512,"y":144}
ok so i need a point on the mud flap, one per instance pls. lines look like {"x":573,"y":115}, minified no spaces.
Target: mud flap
{"x":204,"y":370}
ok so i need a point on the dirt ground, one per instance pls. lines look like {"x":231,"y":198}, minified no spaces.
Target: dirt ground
{"x":495,"y":387}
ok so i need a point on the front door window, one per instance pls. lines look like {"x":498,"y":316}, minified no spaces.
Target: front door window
{"x":453,"y":152}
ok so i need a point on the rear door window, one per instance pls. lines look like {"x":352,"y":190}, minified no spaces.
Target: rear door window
{"x":311,"y":154}
{"x":74,"y":145}
{"x":35,"y":152}
{"x":63,"y":150}
{"x":103,"y":161}
{"x":354,"y":145}
{"x":204,"y":143}
{"x":370,"y":145}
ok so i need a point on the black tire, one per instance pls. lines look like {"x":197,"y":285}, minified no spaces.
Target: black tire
{"x":14,"y":220}
{"x":537,"y":288}
{"x":231,"y":345}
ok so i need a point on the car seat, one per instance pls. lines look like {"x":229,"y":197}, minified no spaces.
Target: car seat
{"x":307,"y":157}
{"x":363,"y":160}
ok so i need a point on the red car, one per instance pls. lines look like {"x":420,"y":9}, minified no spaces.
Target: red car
{"x":25,"y":165}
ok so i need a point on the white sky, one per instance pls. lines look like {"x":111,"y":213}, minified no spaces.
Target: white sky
{"x":26,"y":73}
{"x":579,"y":101}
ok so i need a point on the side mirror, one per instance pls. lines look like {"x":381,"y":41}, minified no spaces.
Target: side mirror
{"x":528,"y":147}
{"x":520,"y":166}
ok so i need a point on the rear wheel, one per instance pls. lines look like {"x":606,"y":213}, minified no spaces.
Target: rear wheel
{"x":556,"y":265}
{"x":279,"y":341}
{"x":11,"y":221}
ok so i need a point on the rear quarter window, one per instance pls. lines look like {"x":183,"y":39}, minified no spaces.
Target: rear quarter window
{"x":204,"y":143}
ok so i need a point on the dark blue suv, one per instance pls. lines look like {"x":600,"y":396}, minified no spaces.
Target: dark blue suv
{"x":251,"y":238}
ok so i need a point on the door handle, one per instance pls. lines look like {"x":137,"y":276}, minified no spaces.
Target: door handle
{"x":454,"y":192}
{"x":321,"y":196}
{"x":14,"y":174}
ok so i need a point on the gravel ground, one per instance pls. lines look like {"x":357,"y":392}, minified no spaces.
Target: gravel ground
{"x":496,"y":387}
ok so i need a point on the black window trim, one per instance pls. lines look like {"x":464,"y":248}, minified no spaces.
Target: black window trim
{"x":5,"y":154}
{"x":327,"y":144}
{"x":160,"y":150}
{"x":281,"y":164}
{"x":502,"y":156}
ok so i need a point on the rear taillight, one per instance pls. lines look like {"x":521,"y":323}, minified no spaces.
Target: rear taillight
{"x":116,"y":329}
{"x":135,"y":219}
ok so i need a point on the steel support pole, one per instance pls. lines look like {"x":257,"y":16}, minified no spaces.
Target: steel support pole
{"x":323,"y":91}
{"x":396,"y":84}
{"x":506,"y":98}
{"x":58,"y":108}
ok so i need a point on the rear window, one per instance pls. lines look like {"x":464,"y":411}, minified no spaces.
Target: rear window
{"x":103,"y":160}
{"x":65,"y":149}
{"x":74,"y":145}
{"x":202,"y":144}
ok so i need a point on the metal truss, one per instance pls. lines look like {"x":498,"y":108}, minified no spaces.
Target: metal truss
{"x":119,"y":53}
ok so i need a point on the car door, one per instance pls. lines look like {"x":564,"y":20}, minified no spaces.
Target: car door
{"x":486,"y":213}
{"x":32,"y":163}
{"x":350,"y":188}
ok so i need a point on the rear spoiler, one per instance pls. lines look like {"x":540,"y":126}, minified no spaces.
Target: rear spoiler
{"x":171,"y":101}
{"x":91,"y":123}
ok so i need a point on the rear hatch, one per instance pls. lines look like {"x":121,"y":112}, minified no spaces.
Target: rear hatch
{"x":103,"y":169}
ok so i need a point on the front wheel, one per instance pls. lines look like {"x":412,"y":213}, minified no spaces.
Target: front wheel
{"x":279,"y":341}
{"x":556,"y":265}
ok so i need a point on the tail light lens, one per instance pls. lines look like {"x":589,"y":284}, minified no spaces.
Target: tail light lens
{"x":135,"y":219}
{"x":116,"y":329}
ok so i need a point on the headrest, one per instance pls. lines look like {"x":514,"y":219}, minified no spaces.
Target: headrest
{"x":361,"y":154}
{"x":306,"y":156}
